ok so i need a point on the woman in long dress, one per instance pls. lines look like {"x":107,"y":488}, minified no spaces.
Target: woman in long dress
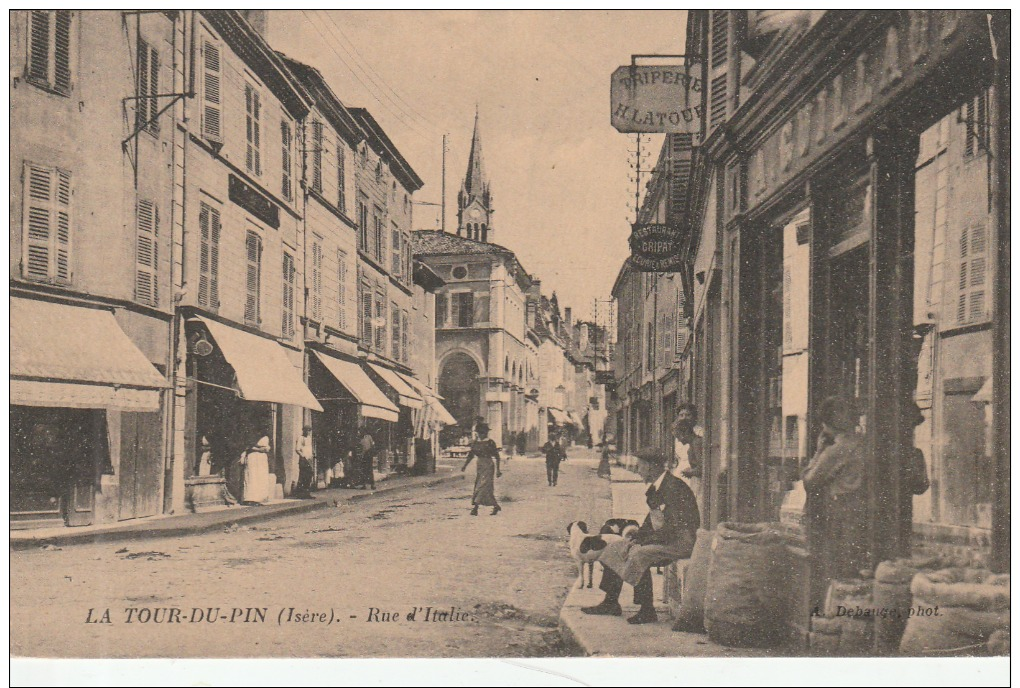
{"x":485,"y":450}
{"x":255,"y":489}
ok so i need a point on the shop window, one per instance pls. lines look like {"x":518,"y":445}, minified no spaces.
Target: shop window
{"x":147,"y":253}
{"x":49,"y":50}
{"x":47,"y":224}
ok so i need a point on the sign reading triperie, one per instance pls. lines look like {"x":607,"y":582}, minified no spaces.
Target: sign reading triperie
{"x":655,"y":100}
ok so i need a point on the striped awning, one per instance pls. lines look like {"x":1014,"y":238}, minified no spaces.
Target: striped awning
{"x":355,"y":380}
{"x":409,"y":397}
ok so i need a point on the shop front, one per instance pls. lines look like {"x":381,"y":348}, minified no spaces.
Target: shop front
{"x":86,"y":434}
{"x":241,"y":387}
{"x":860,"y":245}
{"x":396,"y":440}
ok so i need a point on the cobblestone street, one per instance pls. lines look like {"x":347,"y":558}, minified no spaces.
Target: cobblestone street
{"x":500,"y":579}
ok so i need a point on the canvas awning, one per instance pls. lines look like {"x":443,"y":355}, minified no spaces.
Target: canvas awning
{"x":575,"y":419}
{"x":558,"y":416}
{"x":77,"y":357}
{"x":261,"y":367}
{"x":409,"y":397}
{"x":355,"y":380}
{"x":439,"y":412}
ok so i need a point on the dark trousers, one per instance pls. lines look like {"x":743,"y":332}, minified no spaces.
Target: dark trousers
{"x":611,"y":584}
{"x":552,"y":471}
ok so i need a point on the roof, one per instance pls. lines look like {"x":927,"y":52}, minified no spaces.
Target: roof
{"x":325,"y":100}
{"x":378,"y":139}
{"x":435,"y":242}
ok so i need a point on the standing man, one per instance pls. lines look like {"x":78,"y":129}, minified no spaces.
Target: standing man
{"x":553,"y":455}
{"x":666,"y":535}
{"x":687,"y":447}
{"x":305,"y":450}
{"x":366,"y":446}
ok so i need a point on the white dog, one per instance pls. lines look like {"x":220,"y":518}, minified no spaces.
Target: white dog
{"x":586,"y":549}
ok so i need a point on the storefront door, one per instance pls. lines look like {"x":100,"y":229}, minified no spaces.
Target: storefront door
{"x":141,"y":465}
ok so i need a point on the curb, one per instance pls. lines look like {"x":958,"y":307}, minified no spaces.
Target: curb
{"x":253,"y":515}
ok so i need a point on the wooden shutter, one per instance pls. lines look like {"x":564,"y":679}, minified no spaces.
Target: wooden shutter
{"x":253,"y":126}
{"x":317,"y":279}
{"x":366,"y":316}
{"x":62,"y":52}
{"x":440,"y":310}
{"x":971,"y":303}
{"x":47,"y":224}
{"x":147,"y":253}
{"x":341,"y":177}
{"x":39,"y":47}
{"x":380,"y":330}
{"x":395,"y":332}
{"x":455,"y":310}
{"x":147,"y":88}
{"x":288,"y":295}
{"x":317,"y":156}
{"x":209,"y":256}
{"x":285,"y":139}
{"x":341,"y":259}
{"x":405,"y":336}
{"x":718,"y":55}
{"x":253,"y":251}
{"x":211,"y":94}
{"x":395,"y":251}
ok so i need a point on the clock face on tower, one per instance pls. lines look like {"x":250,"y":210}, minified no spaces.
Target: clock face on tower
{"x":474,"y":214}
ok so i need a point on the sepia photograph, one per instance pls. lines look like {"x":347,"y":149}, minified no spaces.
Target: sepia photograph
{"x":515,"y":334}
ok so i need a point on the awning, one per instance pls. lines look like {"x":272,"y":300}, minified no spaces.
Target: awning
{"x":576,"y":419}
{"x":77,"y":357}
{"x":261,"y":366}
{"x":408,"y":396}
{"x":558,"y":416}
{"x":355,"y":380}
{"x":439,"y":412}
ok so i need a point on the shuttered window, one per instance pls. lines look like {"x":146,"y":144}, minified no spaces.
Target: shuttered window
{"x":395,"y":332}
{"x":341,"y":298}
{"x":441,"y":309}
{"x":287,"y":184}
{"x":378,"y":239}
{"x":976,"y":119}
{"x":209,"y":257}
{"x":253,"y":129}
{"x":289,"y":273}
{"x":366,"y":315}
{"x":719,"y":37}
{"x":147,"y":89}
{"x":47,"y":224}
{"x":380,"y":324}
{"x":718,"y":55}
{"x":317,"y":156}
{"x":253,"y":278}
{"x":212,"y":126}
{"x":717,"y":104}
{"x":405,"y":336}
{"x":317,"y":279}
{"x":341,"y":178}
{"x":362,"y":226}
{"x":147,"y":253}
{"x":49,"y":50}
{"x":396,"y":251}
{"x":462,"y":309}
{"x":972,"y":292}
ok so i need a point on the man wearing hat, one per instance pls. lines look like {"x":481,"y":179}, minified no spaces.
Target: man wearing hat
{"x":666,"y":535}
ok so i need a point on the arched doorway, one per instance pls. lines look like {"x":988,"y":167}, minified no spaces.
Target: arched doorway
{"x":458,"y":385}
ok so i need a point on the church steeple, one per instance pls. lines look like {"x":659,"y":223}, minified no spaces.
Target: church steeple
{"x":474,"y":202}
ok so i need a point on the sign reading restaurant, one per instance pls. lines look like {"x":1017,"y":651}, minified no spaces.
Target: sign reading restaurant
{"x":655,"y":247}
{"x":655,"y":99}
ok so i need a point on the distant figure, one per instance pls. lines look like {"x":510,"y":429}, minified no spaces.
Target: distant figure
{"x":553,"y":455}
{"x":604,"y":468}
{"x":485,"y":450}
{"x":366,"y":459}
{"x":255,"y":461}
{"x":837,"y":499}
{"x":687,"y":447}
{"x":305,"y":450}
{"x":204,"y":466}
{"x":522,"y":442}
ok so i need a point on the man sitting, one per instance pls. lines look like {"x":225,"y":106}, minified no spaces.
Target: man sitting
{"x":666,"y":535}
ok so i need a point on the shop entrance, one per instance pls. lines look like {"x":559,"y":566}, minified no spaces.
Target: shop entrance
{"x":847,"y":345}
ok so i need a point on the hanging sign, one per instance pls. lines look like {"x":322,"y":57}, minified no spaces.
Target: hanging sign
{"x":655,"y":100}
{"x":655,"y":247}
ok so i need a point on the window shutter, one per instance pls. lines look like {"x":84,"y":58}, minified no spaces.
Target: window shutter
{"x":209,"y":256}
{"x":395,"y":251}
{"x":380,"y":330}
{"x":787,"y":308}
{"x":211,"y":106}
{"x":455,"y":301}
{"x":38,"y":220}
{"x":62,"y":52}
{"x":317,"y":280}
{"x":341,"y":258}
{"x":480,"y":309}
{"x":253,"y":249}
{"x":341,"y":178}
{"x":719,"y":37}
{"x":147,"y":253}
{"x":288,"y":295}
{"x":257,"y":131}
{"x":395,"y":332}
{"x":366,"y":316}
{"x":440,"y":310}
{"x":39,"y":47}
{"x":317,"y":156}
{"x":405,"y":335}
{"x":285,"y":159}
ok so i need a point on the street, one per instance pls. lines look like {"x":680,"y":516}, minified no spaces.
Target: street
{"x":333,"y":583}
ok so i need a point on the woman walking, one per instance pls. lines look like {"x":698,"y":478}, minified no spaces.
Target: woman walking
{"x":485,"y":450}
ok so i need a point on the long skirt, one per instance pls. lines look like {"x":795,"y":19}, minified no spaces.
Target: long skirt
{"x":485,"y":483}
{"x":256,"y":478}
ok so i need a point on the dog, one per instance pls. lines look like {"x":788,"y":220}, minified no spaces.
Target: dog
{"x":624,"y":527}
{"x":586,"y":549}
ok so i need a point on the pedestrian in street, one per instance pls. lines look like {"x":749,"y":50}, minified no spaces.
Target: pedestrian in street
{"x":834,"y":480}
{"x":366,"y":459}
{"x":604,"y":468}
{"x":522,"y":442}
{"x":485,"y":451}
{"x":687,"y":447}
{"x":553,"y":455}
{"x":666,"y":535}
{"x":305,"y":450}
{"x":255,"y":486}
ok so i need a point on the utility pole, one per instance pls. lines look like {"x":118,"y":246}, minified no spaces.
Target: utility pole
{"x":442,"y":222}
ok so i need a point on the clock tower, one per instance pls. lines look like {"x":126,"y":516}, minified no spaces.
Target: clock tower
{"x":474,"y":202}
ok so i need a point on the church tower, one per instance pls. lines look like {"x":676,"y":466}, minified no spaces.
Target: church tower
{"x":474,"y":202}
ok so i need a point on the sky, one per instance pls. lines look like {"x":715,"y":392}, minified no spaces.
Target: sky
{"x":560,"y":175}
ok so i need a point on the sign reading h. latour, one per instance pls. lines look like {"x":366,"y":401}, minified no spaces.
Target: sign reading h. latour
{"x":655,"y":99}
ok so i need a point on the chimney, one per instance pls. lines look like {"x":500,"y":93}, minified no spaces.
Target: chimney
{"x":258,"y":20}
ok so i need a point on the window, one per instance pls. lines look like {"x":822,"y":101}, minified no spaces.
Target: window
{"x":405,"y":335}
{"x":49,"y":50}
{"x":365,"y":312}
{"x":253,"y":125}
{"x":317,"y":279}
{"x":441,"y":310}
{"x":211,"y":97}
{"x":209,"y":257}
{"x":146,"y":253}
{"x":364,"y":154}
{"x":378,"y":172}
{"x":341,"y":297}
{"x":288,"y":295}
{"x":253,"y":277}
{"x":341,"y":178}
{"x":47,"y":224}
{"x":407,"y":260}
{"x":395,"y":332}
{"x":378,"y":239}
{"x":462,"y":309}
{"x":362,"y":225}
{"x":972,"y":301}
{"x":396,"y":250}
{"x":285,"y":150}
{"x":380,"y":322}
{"x":650,"y":336}
{"x":317,"y":156}
{"x":978,"y":129}
{"x":146,"y":107}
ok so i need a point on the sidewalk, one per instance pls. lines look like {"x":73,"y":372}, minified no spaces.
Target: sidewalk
{"x":188,"y":524}
{"x":610,"y":636}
